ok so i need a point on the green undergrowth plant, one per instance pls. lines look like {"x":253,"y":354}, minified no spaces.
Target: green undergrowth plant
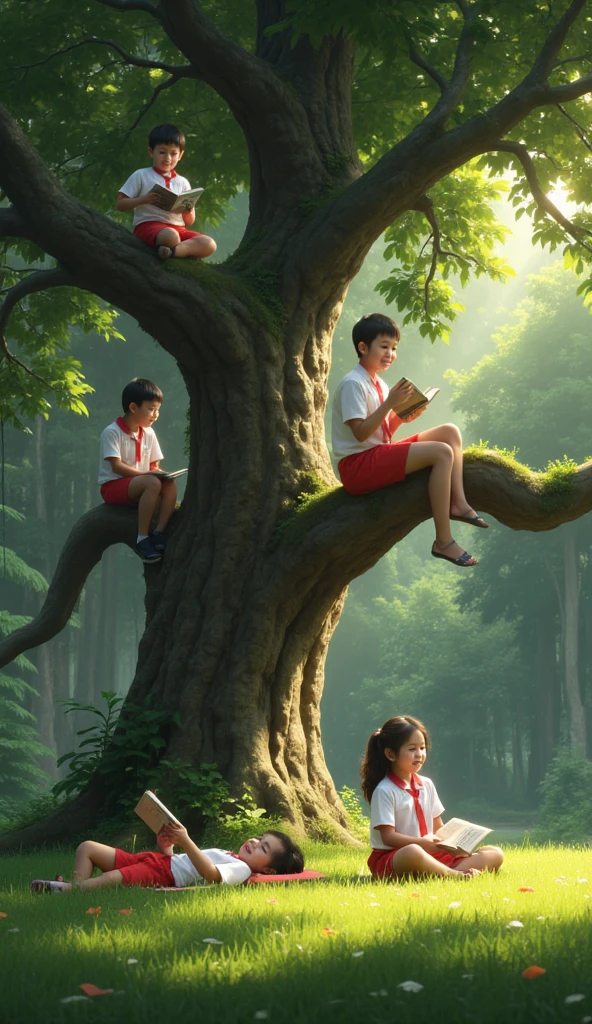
{"x":358,"y":822}
{"x":553,"y":485}
{"x":566,"y":808}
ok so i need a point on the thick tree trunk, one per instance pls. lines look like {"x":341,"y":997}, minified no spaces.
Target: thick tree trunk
{"x":576,"y":712}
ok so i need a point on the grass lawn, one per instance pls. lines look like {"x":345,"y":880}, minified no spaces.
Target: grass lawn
{"x":330,"y":951}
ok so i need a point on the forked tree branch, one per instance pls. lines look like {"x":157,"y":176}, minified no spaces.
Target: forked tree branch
{"x":178,"y":70}
{"x":416,"y":57}
{"x":541,"y":199}
{"x":38,"y":281}
{"x":339,"y":536}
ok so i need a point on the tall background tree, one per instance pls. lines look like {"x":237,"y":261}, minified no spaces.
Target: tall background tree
{"x":345,"y":121}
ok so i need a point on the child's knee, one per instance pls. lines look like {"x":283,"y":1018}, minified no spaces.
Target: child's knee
{"x":495,"y":857}
{"x":408,"y":855}
{"x":209,"y":245}
{"x":444,"y":452}
{"x":452,"y":434}
{"x":85,"y":847}
{"x":168,"y":236}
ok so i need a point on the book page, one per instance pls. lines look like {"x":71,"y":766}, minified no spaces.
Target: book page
{"x":153,"y":812}
{"x":461,"y":834}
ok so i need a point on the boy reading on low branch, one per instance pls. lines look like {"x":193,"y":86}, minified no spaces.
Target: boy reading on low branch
{"x":272,"y":853}
{"x":166,"y":229}
{"x":364,"y":421}
{"x":129,"y":451}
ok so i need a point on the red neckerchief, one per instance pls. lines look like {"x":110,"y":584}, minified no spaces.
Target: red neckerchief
{"x":167,"y":177}
{"x":231,"y":854}
{"x":386,"y":430}
{"x":138,"y":439}
{"x":413,"y":788}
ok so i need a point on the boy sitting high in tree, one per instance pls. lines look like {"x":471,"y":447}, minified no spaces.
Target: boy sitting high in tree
{"x":166,"y":230}
{"x":273,"y":853}
{"x":364,"y":420}
{"x":129,"y":451}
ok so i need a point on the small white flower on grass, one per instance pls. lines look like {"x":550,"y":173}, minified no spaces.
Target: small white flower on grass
{"x":454,"y":905}
{"x":410,"y":986}
{"x":582,"y":880}
{"x":436,"y":931}
{"x":275,"y":932}
{"x":540,"y":918}
{"x":576,"y":998}
{"x":214,"y":942}
{"x":375,"y":904}
{"x":360,"y":952}
{"x":433,"y":897}
{"x":75,"y":999}
{"x":298,"y":946}
{"x":260,"y":1015}
{"x":560,"y":880}
{"x":11,"y":931}
{"x":467,"y":977}
{"x":514,"y":924}
{"x":131,"y":960}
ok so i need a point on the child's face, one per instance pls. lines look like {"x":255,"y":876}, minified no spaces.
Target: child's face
{"x":379,"y":354}
{"x":165,"y":156}
{"x":411,"y":756}
{"x":146,"y":414}
{"x":258,"y":853}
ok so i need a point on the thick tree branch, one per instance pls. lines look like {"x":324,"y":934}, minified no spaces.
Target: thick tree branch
{"x":337,"y":536}
{"x":38,"y":281}
{"x":453,"y":89}
{"x":178,"y":70}
{"x":11,"y":225}
{"x":349,"y":535}
{"x":544,"y":64}
{"x":541,"y":199}
{"x":89,"y":538}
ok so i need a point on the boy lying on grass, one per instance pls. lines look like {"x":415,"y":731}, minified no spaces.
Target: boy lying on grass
{"x":273,"y":853}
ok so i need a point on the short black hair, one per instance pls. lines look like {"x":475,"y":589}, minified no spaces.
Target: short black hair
{"x":140,"y":390}
{"x":167,"y":134}
{"x":370,"y":326}
{"x":291,"y":860}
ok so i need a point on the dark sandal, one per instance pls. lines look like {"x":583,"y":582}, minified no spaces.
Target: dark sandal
{"x":475,"y":520}
{"x":168,"y":249}
{"x":463,"y":560}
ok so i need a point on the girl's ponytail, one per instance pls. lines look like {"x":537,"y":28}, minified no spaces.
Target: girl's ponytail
{"x":394,"y":733}
{"x":374,"y":765}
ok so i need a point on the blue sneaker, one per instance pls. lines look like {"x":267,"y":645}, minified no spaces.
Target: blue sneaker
{"x":159,"y":541}
{"x":147,"y":551}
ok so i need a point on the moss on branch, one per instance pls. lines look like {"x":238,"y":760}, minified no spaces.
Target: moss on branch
{"x":257,"y":289}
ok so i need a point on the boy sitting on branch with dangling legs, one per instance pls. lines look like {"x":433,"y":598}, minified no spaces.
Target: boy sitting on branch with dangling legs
{"x":364,"y":421}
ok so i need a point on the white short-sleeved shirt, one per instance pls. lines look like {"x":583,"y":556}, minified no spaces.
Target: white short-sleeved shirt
{"x":233,"y":871}
{"x":116,"y":444}
{"x":355,"y":398}
{"x":391,"y":805}
{"x":140,"y":184}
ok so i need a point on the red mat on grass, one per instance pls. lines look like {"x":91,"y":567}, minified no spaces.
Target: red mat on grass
{"x":303,"y":876}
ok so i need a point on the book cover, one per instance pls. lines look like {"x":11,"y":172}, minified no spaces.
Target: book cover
{"x":417,"y":399}
{"x":163,"y":475}
{"x":177,"y":202}
{"x":459,"y":836}
{"x":153,"y":812}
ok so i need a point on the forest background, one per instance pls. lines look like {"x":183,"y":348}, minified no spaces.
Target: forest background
{"x":487,"y":659}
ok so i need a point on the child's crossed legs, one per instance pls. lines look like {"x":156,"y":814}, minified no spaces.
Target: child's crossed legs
{"x":146,"y":490}
{"x":199,"y":246}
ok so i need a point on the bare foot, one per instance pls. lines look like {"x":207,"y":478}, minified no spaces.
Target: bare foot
{"x":469,"y":873}
{"x":165,"y":252}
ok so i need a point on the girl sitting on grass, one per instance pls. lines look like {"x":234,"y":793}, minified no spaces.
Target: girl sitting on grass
{"x":405,"y":810}
{"x":273,"y":853}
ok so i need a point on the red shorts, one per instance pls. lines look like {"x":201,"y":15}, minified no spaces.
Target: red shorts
{"x":115,"y":492}
{"x":144,"y":868}
{"x":149,"y":229}
{"x":375,"y":467}
{"x":380,"y":862}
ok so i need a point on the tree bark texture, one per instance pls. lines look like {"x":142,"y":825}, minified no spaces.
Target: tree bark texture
{"x":576,"y":712}
{"x":241,"y":610}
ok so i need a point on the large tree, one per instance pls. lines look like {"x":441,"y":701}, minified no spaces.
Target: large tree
{"x":347,"y":120}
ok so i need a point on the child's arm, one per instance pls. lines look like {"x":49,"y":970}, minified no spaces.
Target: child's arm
{"x":122,"y":468}
{"x":177,"y":834}
{"x":362,"y":429}
{"x":189,"y":216}
{"x":397,"y":840}
{"x":125,"y":203}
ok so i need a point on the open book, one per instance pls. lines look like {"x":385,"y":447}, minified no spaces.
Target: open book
{"x":458,"y":836}
{"x":163,"y":475}
{"x":417,"y":399}
{"x":153,"y":812}
{"x":177,"y":202}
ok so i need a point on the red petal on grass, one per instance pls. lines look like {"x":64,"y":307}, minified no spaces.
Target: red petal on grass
{"x":273,"y":899}
{"x":94,"y":990}
{"x":328,"y":933}
{"x":533,"y":972}
{"x":418,"y":894}
{"x":3,"y":914}
{"x":526,"y":888}
{"x":126,"y":911}
{"x":93,"y":910}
